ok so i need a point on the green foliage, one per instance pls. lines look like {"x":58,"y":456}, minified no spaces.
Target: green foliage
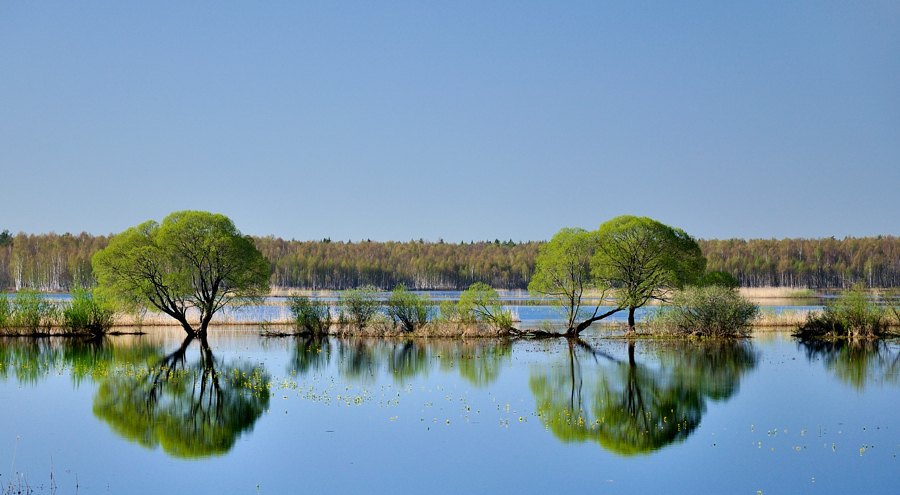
{"x":409,"y":309}
{"x":86,"y":314}
{"x":712,"y":311}
{"x":5,"y":238}
{"x":644,"y":260}
{"x":448,"y":312}
{"x":31,"y":313}
{"x":311,"y":315}
{"x":563,"y":274}
{"x":852,"y":314}
{"x":194,"y":259}
{"x":480,"y":302}
{"x":5,"y":310}
{"x":359,"y":306}
{"x":721,"y":279}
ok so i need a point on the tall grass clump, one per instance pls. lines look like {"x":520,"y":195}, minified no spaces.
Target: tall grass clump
{"x":711,"y":311}
{"x":85,"y":314}
{"x":358,"y":306}
{"x":409,"y":309}
{"x":310,"y":315}
{"x":853,"y":314}
{"x":31,"y":313}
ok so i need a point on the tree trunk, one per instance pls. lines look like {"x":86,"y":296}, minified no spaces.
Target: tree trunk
{"x":631,"y":329}
{"x":576,"y":330}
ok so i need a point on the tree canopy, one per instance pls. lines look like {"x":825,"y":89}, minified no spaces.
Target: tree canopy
{"x":563,"y":274}
{"x":194,"y":261}
{"x":644,"y":260}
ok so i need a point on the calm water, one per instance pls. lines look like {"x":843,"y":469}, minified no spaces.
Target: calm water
{"x":156,"y":414}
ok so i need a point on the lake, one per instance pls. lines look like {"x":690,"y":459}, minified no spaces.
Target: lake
{"x":159,"y":414}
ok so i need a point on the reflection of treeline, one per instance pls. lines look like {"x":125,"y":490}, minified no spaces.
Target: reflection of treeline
{"x":59,"y":262}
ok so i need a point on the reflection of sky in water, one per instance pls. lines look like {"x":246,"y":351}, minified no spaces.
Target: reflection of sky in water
{"x":434,"y":416}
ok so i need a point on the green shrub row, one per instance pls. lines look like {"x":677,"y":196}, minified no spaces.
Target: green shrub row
{"x":359,"y":308}
{"x":29,"y":313}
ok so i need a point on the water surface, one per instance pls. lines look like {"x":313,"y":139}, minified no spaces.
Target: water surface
{"x":159,"y":413}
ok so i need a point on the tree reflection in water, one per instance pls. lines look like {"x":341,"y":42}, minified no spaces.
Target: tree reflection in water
{"x":629,"y":407}
{"x":857,"y":362}
{"x":191,"y":408}
{"x":479,"y":361}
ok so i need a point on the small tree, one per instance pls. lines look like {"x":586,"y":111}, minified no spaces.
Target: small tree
{"x":194,"y":259}
{"x":480,"y":302}
{"x":311,"y":315}
{"x":359,"y":306}
{"x":409,"y":309}
{"x":562,"y":273}
{"x":644,"y":260}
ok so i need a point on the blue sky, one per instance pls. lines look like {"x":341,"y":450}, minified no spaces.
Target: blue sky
{"x":456,"y":120}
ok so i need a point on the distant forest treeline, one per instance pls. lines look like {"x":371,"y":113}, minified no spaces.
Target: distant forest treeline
{"x":58,"y":262}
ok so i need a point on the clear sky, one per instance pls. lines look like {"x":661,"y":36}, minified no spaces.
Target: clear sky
{"x":455,"y":120}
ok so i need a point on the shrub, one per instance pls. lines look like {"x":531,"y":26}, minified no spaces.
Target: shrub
{"x":409,"y":309}
{"x":5,"y":311}
{"x":852,"y":314}
{"x":448,"y":312}
{"x":712,"y":311}
{"x":32,"y":313}
{"x":311,"y":315}
{"x":359,"y":306}
{"x":86,"y":314}
{"x":480,"y":302}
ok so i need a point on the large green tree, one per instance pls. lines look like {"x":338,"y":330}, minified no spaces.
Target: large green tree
{"x":644,"y":260}
{"x":563,"y":274}
{"x":194,"y":261}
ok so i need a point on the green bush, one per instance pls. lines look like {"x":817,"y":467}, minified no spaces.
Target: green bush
{"x":5,"y":311}
{"x":448,"y":311}
{"x":712,"y":311}
{"x":408,"y":309}
{"x":359,"y":306}
{"x":84,"y":314}
{"x":32,"y":313}
{"x":311,"y":315}
{"x":852,"y":314}
{"x":480,"y":302}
